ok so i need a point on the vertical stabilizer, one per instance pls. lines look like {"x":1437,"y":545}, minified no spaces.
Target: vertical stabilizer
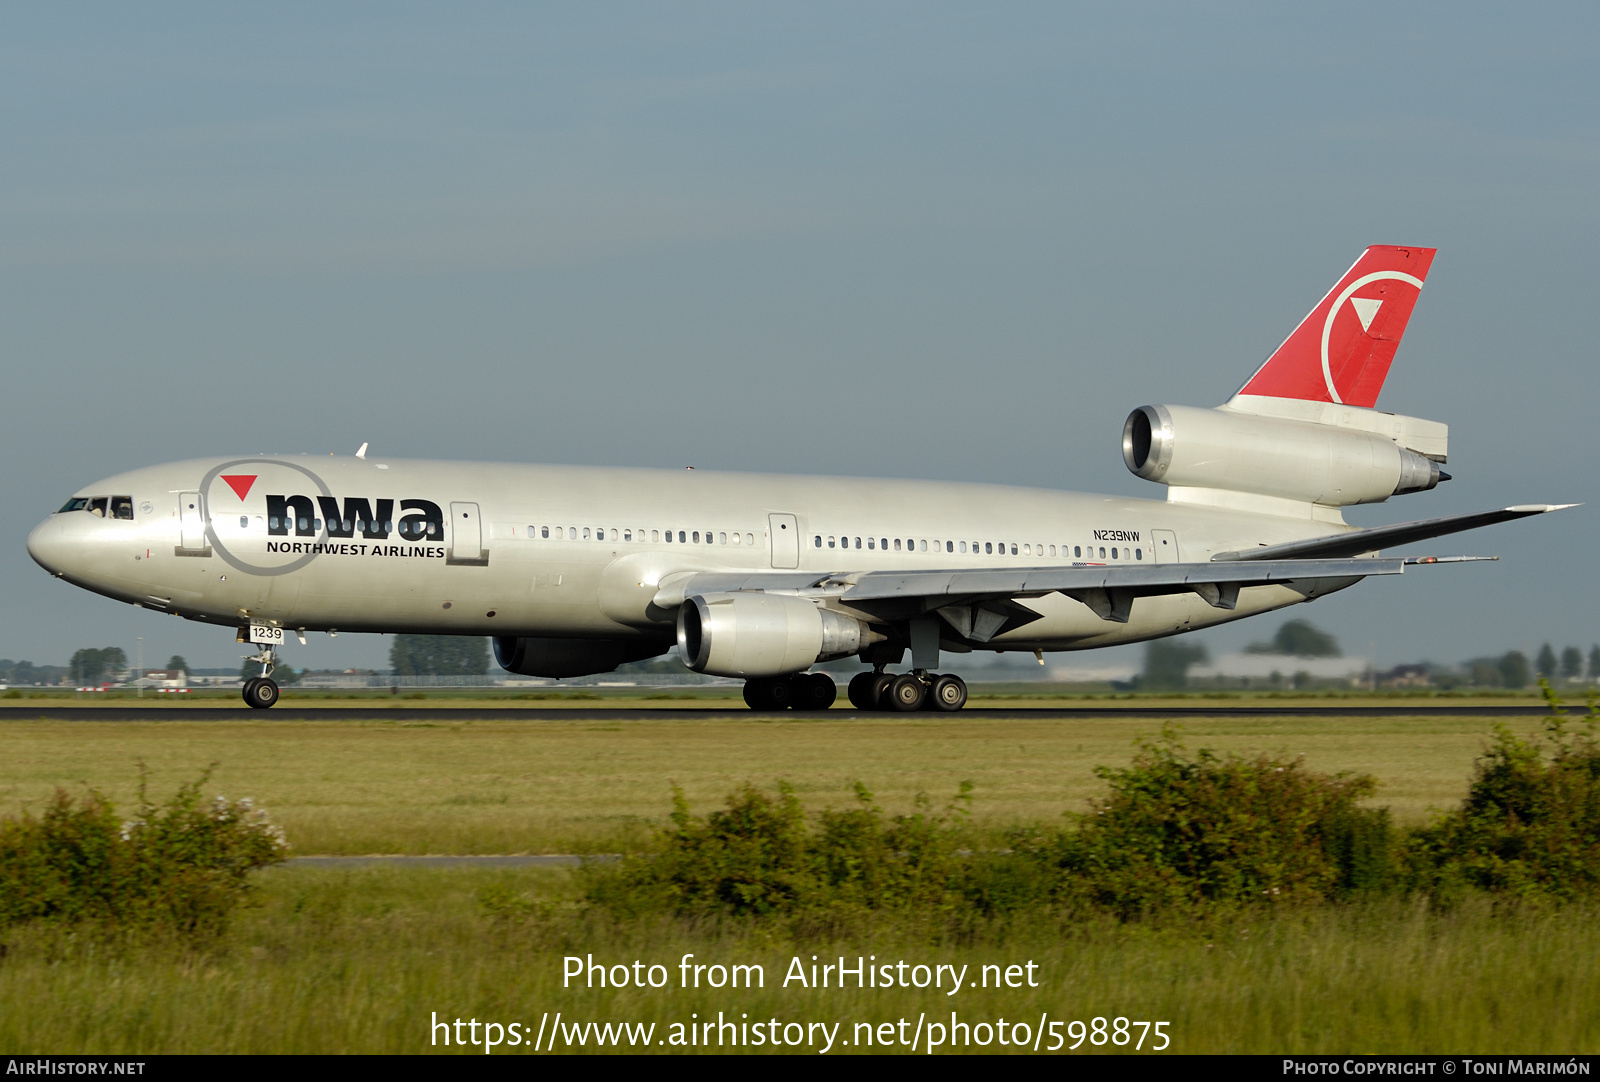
{"x":1342,"y":350}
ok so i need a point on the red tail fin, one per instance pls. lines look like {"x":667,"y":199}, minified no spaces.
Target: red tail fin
{"x":1341,"y":352}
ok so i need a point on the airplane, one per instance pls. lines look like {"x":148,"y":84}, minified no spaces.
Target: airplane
{"x":577,"y":570}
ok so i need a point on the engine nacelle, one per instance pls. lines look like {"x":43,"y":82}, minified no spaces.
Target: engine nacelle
{"x":1188,"y":447}
{"x":559,"y":658}
{"x":759,"y":634}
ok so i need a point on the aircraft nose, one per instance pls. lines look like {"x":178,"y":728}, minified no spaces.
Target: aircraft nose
{"x":47,"y":545}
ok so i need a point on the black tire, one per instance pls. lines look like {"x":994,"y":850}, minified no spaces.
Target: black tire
{"x":249,"y":688}
{"x":261,"y":693}
{"x":949,"y":693}
{"x":769,"y":693}
{"x":780,"y":693}
{"x":813,"y":691}
{"x":906,"y":693}
{"x":756,"y":695}
{"x":859,"y":691}
{"x":880,"y":690}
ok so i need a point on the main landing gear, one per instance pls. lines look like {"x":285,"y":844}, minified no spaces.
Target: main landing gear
{"x":260,"y":692}
{"x":801,"y":691}
{"x":915,"y":690}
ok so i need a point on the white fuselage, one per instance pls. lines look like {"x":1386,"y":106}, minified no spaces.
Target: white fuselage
{"x":579,"y":552}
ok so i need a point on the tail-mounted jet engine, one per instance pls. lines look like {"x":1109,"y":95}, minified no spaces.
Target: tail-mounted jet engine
{"x":1358,"y":458}
{"x":762,"y":634}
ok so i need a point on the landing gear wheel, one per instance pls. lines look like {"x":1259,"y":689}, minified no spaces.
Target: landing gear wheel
{"x":948,"y":693}
{"x":813,"y":691}
{"x":860,"y":691}
{"x":765,"y":693}
{"x":880,"y":690}
{"x":260,"y":693}
{"x":906,"y":693}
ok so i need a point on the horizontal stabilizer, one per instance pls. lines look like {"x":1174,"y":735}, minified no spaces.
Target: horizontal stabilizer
{"x":1357,"y":542}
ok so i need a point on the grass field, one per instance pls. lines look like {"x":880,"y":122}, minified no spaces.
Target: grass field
{"x":358,"y":961}
{"x":388,"y":785}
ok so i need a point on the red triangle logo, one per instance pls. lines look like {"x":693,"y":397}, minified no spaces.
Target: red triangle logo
{"x":240,"y":483}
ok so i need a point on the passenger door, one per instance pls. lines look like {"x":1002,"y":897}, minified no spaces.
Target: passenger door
{"x":191,"y":516}
{"x":466,"y":536}
{"x":1164,"y":543}
{"x":785,"y":532}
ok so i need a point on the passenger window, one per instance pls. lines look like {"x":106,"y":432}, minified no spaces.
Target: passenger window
{"x":722,"y":538}
{"x":1077,"y":550}
{"x":963,"y":546}
{"x":681,"y":536}
{"x":988,"y":547}
{"x":872,"y":543}
{"x":1102,"y":552}
{"x":736,"y":538}
{"x":655,"y":535}
{"x":1027,"y":550}
{"x":1138,"y":554}
{"x":1113,"y":554}
{"x":922,"y":546}
{"x":749,"y":538}
{"x":1052,"y":550}
{"x":830,"y":542}
{"x":897,"y":544}
{"x":816,"y":542}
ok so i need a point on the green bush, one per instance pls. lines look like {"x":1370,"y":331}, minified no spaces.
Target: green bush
{"x":760,"y":856}
{"x":183,"y":865}
{"x":1175,"y":833}
{"x":1530,"y":825}
{"x":1178,"y":831}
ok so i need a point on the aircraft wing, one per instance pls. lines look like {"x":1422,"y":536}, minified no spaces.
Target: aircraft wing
{"x":981,"y":602}
{"x":1357,"y":542}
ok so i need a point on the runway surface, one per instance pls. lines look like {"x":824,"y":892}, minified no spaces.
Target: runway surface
{"x":289,"y":712}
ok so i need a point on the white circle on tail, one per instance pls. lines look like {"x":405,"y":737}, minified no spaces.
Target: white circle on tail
{"x":1327,"y":324}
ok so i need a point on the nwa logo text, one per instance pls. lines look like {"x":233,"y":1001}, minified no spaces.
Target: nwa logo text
{"x":373,"y":520}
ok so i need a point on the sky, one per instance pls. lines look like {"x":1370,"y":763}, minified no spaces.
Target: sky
{"x":905,"y":240}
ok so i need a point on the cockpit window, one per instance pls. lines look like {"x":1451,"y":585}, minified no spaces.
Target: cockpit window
{"x":77,"y":503}
{"x":97,"y":506}
{"x":122,"y":507}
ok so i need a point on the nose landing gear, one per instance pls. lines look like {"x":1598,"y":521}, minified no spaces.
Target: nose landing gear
{"x":260,"y":692}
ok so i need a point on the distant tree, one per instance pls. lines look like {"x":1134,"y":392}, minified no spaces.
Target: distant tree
{"x":1544,"y":662}
{"x":1594,"y":662}
{"x":176,"y":661}
{"x":90,"y":666}
{"x":439,"y":655}
{"x":1167,"y":662}
{"x":1299,"y":638}
{"x":1485,"y":672}
{"x":1571,"y":663}
{"x":1514,"y":669}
